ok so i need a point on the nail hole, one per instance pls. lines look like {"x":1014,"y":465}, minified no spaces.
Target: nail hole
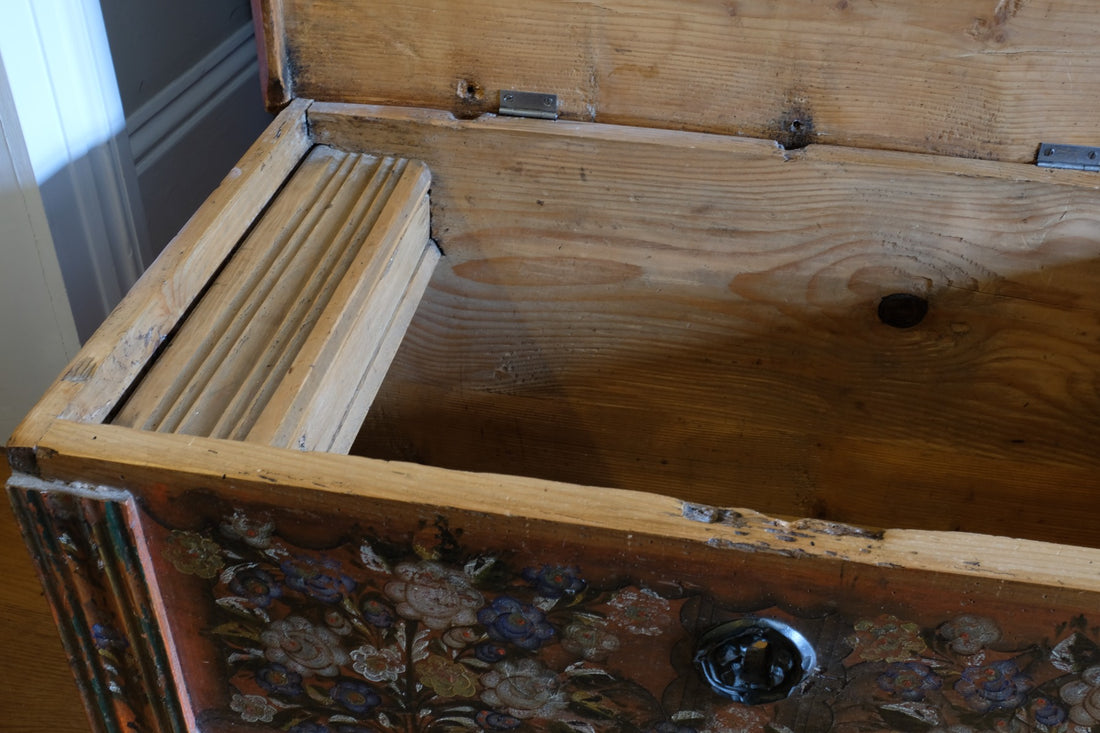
{"x":1049,"y":151}
{"x":796,"y":126}
{"x":1092,"y":155}
{"x":902,"y":310}
{"x":470,"y":91}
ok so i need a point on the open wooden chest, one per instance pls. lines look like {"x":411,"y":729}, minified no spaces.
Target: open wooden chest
{"x":652,"y":366}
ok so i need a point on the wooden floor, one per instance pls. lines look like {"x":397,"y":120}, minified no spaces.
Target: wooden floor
{"x":37,"y":693}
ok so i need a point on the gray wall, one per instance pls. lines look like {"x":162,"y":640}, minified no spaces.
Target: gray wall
{"x":154,"y":42}
{"x":190,"y":89}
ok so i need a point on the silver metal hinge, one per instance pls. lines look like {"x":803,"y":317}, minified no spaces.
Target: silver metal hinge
{"x":528,"y":104}
{"x":1070,"y":157}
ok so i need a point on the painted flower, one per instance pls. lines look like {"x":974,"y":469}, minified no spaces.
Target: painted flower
{"x":995,"y":686}
{"x":253,"y":708}
{"x":304,"y":648}
{"x":240,"y":527}
{"x":338,"y":622}
{"x":490,"y":652}
{"x":191,"y":553}
{"x":447,"y":678}
{"x":319,"y":578}
{"x":378,"y":665}
{"x":886,"y":639}
{"x":376,"y":611}
{"x":588,"y":641}
{"x":255,"y":585}
{"x":1083,"y":696}
{"x":435,"y":595}
{"x":641,"y":611}
{"x":461,"y":637}
{"x":276,"y":679}
{"x":492,"y":720}
{"x":1047,"y":712}
{"x":508,"y":620}
{"x":355,"y":696}
{"x":555,"y":581}
{"x":523,"y":689}
{"x":309,"y":726}
{"x":909,"y":680}
{"x":969,"y":634}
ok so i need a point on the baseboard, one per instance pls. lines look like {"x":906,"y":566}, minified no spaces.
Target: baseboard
{"x":160,"y":124}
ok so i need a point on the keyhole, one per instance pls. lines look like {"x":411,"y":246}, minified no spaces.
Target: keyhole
{"x":755,"y":661}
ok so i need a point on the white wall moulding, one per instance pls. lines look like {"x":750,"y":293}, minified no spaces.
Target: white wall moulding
{"x":159,"y":124}
{"x":31,"y":289}
{"x":67,"y":100}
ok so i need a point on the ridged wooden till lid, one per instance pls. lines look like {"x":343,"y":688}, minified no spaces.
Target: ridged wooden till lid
{"x":972,"y":78}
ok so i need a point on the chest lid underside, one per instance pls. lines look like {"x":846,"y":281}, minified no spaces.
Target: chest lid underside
{"x":987,"y":79}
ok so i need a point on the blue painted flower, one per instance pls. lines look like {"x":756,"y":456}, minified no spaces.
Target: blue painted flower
{"x":492,"y":720}
{"x":1047,"y":712}
{"x":355,"y":696}
{"x":255,"y":585}
{"x":995,"y":686}
{"x":490,"y":652}
{"x":320,"y":578}
{"x":555,"y":581}
{"x":309,"y":726}
{"x":278,"y":680}
{"x":376,"y":611}
{"x":107,"y":637}
{"x":909,"y":680}
{"x":508,"y":620}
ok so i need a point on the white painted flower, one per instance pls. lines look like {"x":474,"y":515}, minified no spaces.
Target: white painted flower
{"x":307,"y":649}
{"x":588,"y":641}
{"x":378,"y":665}
{"x":1083,"y":696}
{"x":439,"y":597}
{"x":641,"y":611}
{"x":970,"y":634}
{"x":253,"y":708}
{"x":255,"y":533}
{"x":523,"y":689}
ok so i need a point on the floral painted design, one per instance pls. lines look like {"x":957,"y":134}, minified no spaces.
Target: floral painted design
{"x":253,"y":708}
{"x":909,"y":680}
{"x":641,"y":611}
{"x":439,"y":597}
{"x":307,"y":649}
{"x":507,"y":620}
{"x":194,"y":554}
{"x":966,"y":679}
{"x":970,"y":634}
{"x":255,"y":533}
{"x":416,"y":635}
{"x":887,"y":639}
{"x":996,"y":686}
{"x":377,"y":637}
{"x":523,"y":689}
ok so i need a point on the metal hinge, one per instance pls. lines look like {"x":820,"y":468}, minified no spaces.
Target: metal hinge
{"x":528,"y":104}
{"x":1070,"y":157}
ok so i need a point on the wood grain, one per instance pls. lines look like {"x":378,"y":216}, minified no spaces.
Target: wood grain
{"x":299,"y":313}
{"x":38,"y":694}
{"x":697,"y":316}
{"x":972,"y":78}
{"x":105,"y":368}
{"x":163,"y":465}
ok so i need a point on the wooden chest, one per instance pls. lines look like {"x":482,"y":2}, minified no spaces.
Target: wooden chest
{"x":647,"y":365}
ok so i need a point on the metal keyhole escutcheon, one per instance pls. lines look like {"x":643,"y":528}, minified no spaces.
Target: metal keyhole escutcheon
{"x":755,"y":660}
